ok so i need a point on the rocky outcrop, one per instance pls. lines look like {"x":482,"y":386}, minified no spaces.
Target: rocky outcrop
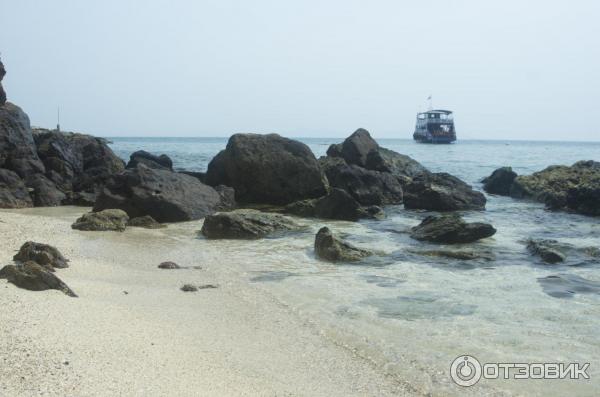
{"x":44,"y":192}
{"x":245,"y":224}
{"x":2,"y":93}
{"x":106,"y":220}
{"x":331,"y":248}
{"x":451,"y":229}
{"x":267,"y":169}
{"x":550,"y":251}
{"x":366,"y":186}
{"x":164,"y":195}
{"x":13,"y":192}
{"x":575,"y":188}
{"x":338,"y":204}
{"x":162,"y":162}
{"x":45,"y":255}
{"x":500,"y":181}
{"x":146,"y":221}
{"x":31,"y":276}
{"x":76,"y":163}
{"x":442,"y":192}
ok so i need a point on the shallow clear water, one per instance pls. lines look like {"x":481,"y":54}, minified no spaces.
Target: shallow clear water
{"x":413,"y":314}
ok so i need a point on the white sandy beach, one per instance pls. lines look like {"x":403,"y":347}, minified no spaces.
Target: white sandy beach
{"x":132,"y":332}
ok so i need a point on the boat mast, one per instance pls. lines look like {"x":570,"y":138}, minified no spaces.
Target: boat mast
{"x":430,"y":101}
{"x":58,"y":118}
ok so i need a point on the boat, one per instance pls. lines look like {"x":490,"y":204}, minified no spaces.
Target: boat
{"x":435,"y":126}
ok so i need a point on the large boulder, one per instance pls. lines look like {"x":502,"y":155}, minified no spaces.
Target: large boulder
{"x":13,"y":192}
{"x":356,"y":148}
{"x":267,"y":169}
{"x":442,"y":192}
{"x":338,"y":204}
{"x":500,"y":181}
{"x":166,"y":196}
{"x":162,"y":162}
{"x":575,"y":188}
{"x":76,"y":163}
{"x":31,"y":276}
{"x":106,"y":220}
{"x":17,"y":147}
{"x":368,"y":187}
{"x":245,"y":224}
{"x":331,"y":248}
{"x":451,"y":229}
{"x":45,"y":255}
{"x":44,"y":192}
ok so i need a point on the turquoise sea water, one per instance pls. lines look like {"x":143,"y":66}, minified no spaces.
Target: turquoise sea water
{"x":412,"y":314}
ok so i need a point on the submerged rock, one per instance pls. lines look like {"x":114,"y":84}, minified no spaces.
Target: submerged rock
{"x":245,"y":224}
{"x":338,"y":204}
{"x":267,"y":169}
{"x":34,"y":277}
{"x":465,"y":255}
{"x":550,"y":251}
{"x":575,"y":188}
{"x":442,"y":192}
{"x":333,"y":249}
{"x":146,"y":222}
{"x":169,"y":265}
{"x":13,"y":192}
{"x":451,"y":229}
{"x":106,"y":220}
{"x":45,"y":255}
{"x":189,"y":288}
{"x":500,"y":181}
{"x":162,"y":161}
{"x":166,"y":196}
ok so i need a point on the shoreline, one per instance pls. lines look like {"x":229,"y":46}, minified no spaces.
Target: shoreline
{"x":156,"y":339}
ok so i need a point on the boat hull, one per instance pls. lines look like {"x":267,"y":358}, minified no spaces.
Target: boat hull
{"x":434,"y":139}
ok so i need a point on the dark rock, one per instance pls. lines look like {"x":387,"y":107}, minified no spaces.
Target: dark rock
{"x":338,"y":204}
{"x":245,"y":224}
{"x":76,"y":163}
{"x":146,"y":222}
{"x":84,"y":199}
{"x":44,"y":192}
{"x":2,"y":93}
{"x":166,"y":196}
{"x":549,"y":250}
{"x":105,"y":220}
{"x":162,"y":162}
{"x":500,"y":181}
{"x":227,"y":195}
{"x":13,"y":192}
{"x":333,"y":249}
{"x":267,"y":169}
{"x":365,"y":186}
{"x":357,"y":147}
{"x":451,"y":229}
{"x":575,"y":188}
{"x":33,"y":277}
{"x":169,"y":265}
{"x":465,"y":255}
{"x":201,"y":176}
{"x":189,"y":288}
{"x":441,"y":192}
{"x":17,"y":147}
{"x":43,"y":254}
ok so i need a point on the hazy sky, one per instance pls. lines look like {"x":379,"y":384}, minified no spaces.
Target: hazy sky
{"x":509,"y":69}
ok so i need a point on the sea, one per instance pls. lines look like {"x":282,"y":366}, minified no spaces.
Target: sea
{"x":412,"y":315}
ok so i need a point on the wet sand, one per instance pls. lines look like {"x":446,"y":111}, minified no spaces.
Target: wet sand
{"x":133,"y":332}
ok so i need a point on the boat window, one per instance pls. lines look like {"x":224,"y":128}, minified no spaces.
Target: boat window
{"x":421,"y":116}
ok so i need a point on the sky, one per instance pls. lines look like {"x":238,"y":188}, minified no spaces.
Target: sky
{"x":508,"y":69}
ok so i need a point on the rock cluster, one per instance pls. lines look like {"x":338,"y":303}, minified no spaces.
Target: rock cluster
{"x":34,"y":268}
{"x":338,"y":204}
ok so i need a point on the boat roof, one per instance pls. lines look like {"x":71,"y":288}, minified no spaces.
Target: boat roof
{"x":438,"y":111}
